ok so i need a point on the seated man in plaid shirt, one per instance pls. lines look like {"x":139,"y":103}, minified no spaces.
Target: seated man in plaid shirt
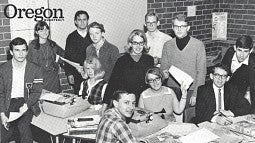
{"x":113,"y":127}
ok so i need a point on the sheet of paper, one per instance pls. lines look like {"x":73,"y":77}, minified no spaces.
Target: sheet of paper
{"x":181,"y":76}
{"x":76,"y":65}
{"x":50,"y":97}
{"x":200,"y":136}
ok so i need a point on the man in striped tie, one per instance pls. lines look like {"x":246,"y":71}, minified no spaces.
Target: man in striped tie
{"x":218,"y":100}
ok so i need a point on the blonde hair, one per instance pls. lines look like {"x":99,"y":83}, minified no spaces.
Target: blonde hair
{"x":98,"y":71}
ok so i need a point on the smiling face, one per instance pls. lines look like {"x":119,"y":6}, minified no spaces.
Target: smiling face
{"x":44,"y":33}
{"x":151,"y":23}
{"x":126,"y":104}
{"x":180,"y":28}
{"x":154,"y":81}
{"x":219,"y":77}
{"x":95,"y":34}
{"x":137,"y":45}
{"x":81,"y":22}
{"x":19,"y":53}
{"x":242,"y":53}
{"x":90,"y":70}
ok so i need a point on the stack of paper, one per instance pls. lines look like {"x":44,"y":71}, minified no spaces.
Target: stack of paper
{"x":181,"y":76}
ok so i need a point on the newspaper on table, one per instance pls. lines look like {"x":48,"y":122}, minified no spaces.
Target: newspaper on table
{"x":181,"y":76}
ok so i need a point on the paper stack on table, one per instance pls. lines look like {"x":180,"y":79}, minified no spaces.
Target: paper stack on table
{"x":181,"y":76}
{"x":200,"y":136}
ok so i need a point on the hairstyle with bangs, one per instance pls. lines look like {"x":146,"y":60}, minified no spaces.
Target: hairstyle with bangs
{"x":244,"y":42}
{"x":156,"y":71}
{"x":96,"y":65}
{"x":97,"y":25}
{"x":40,"y":26}
{"x":140,"y":33}
{"x":151,"y":13}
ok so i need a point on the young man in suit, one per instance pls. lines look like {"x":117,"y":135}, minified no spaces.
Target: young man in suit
{"x":241,"y":59}
{"x":21,"y":84}
{"x":217,"y":99}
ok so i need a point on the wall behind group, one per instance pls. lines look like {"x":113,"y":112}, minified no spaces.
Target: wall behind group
{"x":241,"y":21}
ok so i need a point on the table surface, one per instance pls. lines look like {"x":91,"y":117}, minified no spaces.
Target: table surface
{"x":55,"y":125}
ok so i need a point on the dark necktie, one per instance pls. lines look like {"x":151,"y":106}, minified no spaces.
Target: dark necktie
{"x":219,"y":99}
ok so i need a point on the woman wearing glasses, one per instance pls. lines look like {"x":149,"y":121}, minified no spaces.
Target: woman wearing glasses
{"x":129,"y":70}
{"x":45,"y":52}
{"x":158,"y":97}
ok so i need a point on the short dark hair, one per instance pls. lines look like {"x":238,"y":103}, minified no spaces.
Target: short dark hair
{"x":221,"y":66}
{"x":97,"y":25}
{"x":18,"y":41}
{"x":79,"y":13}
{"x":117,"y":94}
{"x":245,"y":41}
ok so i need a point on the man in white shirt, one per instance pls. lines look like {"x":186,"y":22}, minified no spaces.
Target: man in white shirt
{"x":217,"y":100}
{"x":241,"y":59}
{"x":21,"y":84}
{"x":155,"y":38}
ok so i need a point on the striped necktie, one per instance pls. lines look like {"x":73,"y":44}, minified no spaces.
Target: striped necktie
{"x":219,"y":99}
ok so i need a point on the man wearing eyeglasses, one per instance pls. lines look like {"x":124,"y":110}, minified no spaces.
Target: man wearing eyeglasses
{"x":188,"y":54}
{"x":155,"y":38}
{"x":241,"y":59}
{"x":218,"y":100}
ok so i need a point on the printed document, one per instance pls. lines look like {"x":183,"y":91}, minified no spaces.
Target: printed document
{"x":181,"y":76}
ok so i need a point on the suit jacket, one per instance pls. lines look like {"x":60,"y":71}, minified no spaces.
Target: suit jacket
{"x":32,"y":87}
{"x":206,"y":104}
{"x":244,"y":76}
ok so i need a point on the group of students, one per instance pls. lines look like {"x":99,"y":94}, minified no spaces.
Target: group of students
{"x":139,"y":77}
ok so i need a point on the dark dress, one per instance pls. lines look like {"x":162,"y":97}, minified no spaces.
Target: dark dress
{"x":44,"y":55}
{"x":128,"y":75}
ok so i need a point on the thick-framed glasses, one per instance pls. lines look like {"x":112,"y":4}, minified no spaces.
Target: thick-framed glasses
{"x":219,"y":76}
{"x":157,"y":79}
{"x":180,"y":26}
{"x":138,"y":43}
{"x":151,"y":23}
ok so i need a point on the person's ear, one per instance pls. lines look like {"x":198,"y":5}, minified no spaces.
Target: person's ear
{"x":115,"y":103}
{"x":227,"y":78}
{"x":188,"y":28}
{"x":235,"y":48}
{"x":11,"y":52}
{"x":211,"y":76}
{"x":103,"y":34}
{"x":158,"y":23}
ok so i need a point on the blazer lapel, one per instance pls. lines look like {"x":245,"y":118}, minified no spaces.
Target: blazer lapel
{"x":9,"y":76}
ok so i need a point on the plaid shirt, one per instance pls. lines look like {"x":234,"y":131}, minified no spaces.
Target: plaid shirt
{"x":113,"y":128}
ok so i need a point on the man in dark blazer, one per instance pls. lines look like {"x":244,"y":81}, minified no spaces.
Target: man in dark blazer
{"x":217,"y":99}
{"x":241,"y":59}
{"x":21,"y":84}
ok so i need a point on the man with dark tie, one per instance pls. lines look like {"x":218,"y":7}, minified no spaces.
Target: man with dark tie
{"x":217,"y":100}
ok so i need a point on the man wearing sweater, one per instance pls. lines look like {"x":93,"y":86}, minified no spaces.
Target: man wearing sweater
{"x":188,"y":54}
{"x":75,"y":50}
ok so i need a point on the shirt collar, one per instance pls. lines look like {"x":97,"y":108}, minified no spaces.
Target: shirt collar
{"x":215,"y":88}
{"x":245,"y":62}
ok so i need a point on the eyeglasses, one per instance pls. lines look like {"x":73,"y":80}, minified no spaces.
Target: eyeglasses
{"x":138,"y":43}
{"x":157,"y":79}
{"x":219,"y":76}
{"x":180,"y":26}
{"x":151,"y":23}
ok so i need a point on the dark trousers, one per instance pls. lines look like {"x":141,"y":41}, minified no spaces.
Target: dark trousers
{"x":23,"y":126}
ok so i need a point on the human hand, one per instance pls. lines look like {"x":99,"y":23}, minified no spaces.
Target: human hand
{"x":184,"y":90}
{"x":227,"y":113}
{"x":23,"y":108}
{"x":166,"y":74}
{"x":4,"y":120}
{"x":192,"y":100}
{"x":156,"y":60}
{"x":70,"y":79}
{"x":221,"y":120}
